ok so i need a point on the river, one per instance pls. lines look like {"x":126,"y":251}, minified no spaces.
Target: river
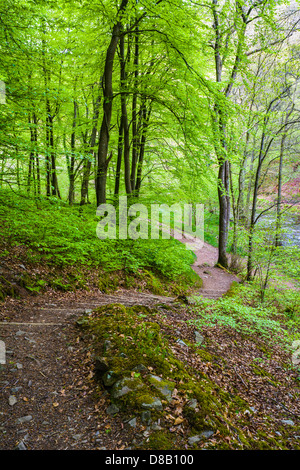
{"x":292,"y":236}
{"x":291,"y":227}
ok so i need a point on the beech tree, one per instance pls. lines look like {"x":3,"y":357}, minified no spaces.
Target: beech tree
{"x":153,"y":99}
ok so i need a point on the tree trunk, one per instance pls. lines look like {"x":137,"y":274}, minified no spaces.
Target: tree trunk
{"x":124,"y":118}
{"x":254,"y":203}
{"x":135,"y":138}
{"x":88,"y":163}
{"x":144,"y":126}
{"x":37,"y":161}
{"x":223,"y":185}
{"x":31,"y":156}
{"x":71,"y":194}
{"x":54,"y":182}
{"x":224,"y":212}
{"x":47,"y":155}
{"x":102,"y":160}
{"x":278,"y":205}
{"x":119,"y":159}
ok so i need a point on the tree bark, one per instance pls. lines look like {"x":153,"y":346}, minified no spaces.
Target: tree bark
{"x":119,"y":159}
{"x":88,"y":163}
{"x":102,"y":160}
{"x":31,"y":165}
{"x":144,"y":125}
{"x":124,"y":118}
{"x":135,"y":138}
{"x":224,"y":212}
{"x":278,"y":206}
{"x":71,"y":194}
{"x":220,"y":121}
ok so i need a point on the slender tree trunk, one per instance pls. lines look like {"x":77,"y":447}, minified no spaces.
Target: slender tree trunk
{"x":18,"y":173}
{"x":144,"y":126}
{"x":88,"y":163}
{"x":102,"y":160}
{"x":124,"y":117}
{"x":71,"y":194}
{"x":224,"y":212}
{"x":38,"y":175}
{"x":37,"y":161}
{"x":54,"y":182}
{"x":47,"y":155}
{"x":254,"y":204}
{"x":250,"y":183}
{"x":278,"y":205}
{"x":135,"y":138}
{"x":30,"y":175}
{"x":119,"y":159}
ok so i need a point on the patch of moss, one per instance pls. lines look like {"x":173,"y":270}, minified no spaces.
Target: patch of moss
{"x":161,"y":441}
{"x":134,"y":334}
{"x":61,"y":285}
{"x":258,"y":370}
{"x":108,"y":282}
{"x":7,"y":288}
{"x":199,"y":417}
{"x":233,"y":290}
{"x":136,"y":338}
{"x":136,"y":393}
{"x":153,"y":283}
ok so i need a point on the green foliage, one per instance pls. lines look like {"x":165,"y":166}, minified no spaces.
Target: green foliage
{"x":63,"y":236}
{"x":211,"y":228}
{"x":242,"y":311}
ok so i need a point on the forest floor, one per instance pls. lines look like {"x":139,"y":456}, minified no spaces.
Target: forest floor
{"x":47,"y":387}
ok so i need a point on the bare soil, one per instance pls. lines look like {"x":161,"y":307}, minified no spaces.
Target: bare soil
{"x":47,"y":388}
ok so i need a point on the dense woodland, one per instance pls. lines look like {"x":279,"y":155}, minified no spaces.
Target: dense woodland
{"x":165,"y":102}
{"x":168,"y":101}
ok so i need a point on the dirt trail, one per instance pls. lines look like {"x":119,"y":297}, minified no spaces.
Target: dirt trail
{"x":46,"y":392}
{"x":216,"y":281}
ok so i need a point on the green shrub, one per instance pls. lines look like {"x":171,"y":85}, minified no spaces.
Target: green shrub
{"x":65,"y":236}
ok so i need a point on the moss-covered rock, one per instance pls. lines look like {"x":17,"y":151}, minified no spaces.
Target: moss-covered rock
{"x":126,"y":386}
{"x":161,"y":441}
{"x":131,"y":393}
{"x":140,"y":370}
{"x":163,"y":386}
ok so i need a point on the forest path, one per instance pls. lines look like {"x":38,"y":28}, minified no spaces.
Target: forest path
{"x":216,"y":281}
{"x":46,"y":388}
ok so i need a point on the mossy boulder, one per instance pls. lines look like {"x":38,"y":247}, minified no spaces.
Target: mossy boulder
{"x":126,"y":386}
{"x":163,"y":386}
{"x":109,"y":378}
{"x":141,"y":371}
{"x":131,"y":393}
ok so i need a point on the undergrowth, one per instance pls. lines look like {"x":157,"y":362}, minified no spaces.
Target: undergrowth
{"x":61,"y":237}
{"x":275,"y":320}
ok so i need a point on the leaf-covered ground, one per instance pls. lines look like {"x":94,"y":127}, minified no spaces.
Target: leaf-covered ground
{"x":50,"y":372}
